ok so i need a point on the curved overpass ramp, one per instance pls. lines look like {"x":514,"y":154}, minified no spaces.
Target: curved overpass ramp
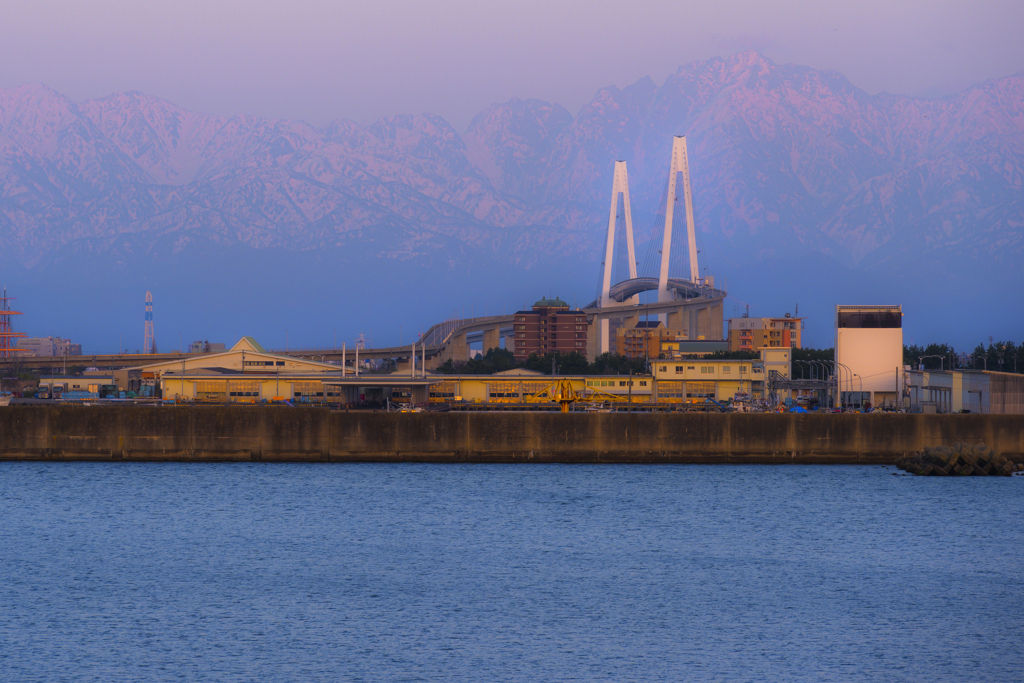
{"x":682,"y":289}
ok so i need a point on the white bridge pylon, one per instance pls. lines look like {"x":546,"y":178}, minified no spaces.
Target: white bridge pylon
{"x":680,"y":164}
{"x":620,"y":185}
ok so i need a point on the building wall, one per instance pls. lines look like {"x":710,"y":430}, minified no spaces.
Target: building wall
{"x":876,"y":355}
{"x":779,"y":360}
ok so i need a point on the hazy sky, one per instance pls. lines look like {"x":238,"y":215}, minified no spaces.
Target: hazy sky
{"x":361,"y":60}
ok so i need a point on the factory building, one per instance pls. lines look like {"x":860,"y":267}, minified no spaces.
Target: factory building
{"x":754,"y":334}
{"x":549,"y":328}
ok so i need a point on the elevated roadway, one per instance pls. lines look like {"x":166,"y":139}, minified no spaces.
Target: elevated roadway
{"x":698,"y":310}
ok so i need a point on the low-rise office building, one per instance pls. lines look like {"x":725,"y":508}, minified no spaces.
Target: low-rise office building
{"x":700,"y":379}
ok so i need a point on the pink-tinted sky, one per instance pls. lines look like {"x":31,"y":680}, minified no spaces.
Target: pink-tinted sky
{"x":361,"y":60}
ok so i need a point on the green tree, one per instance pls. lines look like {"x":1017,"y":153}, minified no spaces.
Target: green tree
{"x":614,"y":364}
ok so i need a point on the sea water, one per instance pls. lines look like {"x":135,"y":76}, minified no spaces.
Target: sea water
{"x":427,"y":572}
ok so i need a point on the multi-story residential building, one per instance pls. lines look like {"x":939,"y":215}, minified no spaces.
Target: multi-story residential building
{"x":644,"y":340}
{"x":651,"y":339}
{"x":754,"y":334}
{"x":49,"y":346}
{"x":206,"y":347}
{"x":550,"y":327}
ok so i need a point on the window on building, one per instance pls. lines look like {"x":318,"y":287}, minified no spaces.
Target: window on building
{"x":679,"y":369}
{"x":700,"y":390}
{"x":726,"y":369}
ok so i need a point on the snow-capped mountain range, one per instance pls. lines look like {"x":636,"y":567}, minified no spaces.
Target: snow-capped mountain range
{"x":784,"y":159}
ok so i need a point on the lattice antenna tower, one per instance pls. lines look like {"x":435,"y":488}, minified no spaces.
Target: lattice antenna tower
{"x":149,"y":340}
{"x":7,"y":333}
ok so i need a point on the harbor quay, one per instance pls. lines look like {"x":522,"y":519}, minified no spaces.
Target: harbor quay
{"x":193,"y":433}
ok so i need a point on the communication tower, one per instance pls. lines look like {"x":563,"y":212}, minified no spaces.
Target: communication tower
{"x":149,"y":341}
{"x":8,"y":335}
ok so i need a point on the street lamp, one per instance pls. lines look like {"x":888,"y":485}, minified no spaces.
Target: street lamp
{"x":920,"y":359}
{"x":849,"y":372}
{"x":801,"y":362}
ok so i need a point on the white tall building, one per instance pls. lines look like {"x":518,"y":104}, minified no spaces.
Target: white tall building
{"x":869,"y":351}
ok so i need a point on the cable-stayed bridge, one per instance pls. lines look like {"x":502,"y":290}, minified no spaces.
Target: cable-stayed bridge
{"x":685,"y":301}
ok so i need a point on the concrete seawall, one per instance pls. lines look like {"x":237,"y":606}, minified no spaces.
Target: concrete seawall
{"x":208,"y":433}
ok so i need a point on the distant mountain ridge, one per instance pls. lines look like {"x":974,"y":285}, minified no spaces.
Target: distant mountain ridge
{"x":785,"y":160}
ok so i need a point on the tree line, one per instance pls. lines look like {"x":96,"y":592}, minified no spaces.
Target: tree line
{"x":574,"y":363}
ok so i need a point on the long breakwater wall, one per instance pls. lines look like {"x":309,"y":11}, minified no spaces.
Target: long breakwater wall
{"x":205,"y":433}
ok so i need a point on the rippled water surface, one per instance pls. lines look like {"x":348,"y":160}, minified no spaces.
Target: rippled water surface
{"x":264,"y":572}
